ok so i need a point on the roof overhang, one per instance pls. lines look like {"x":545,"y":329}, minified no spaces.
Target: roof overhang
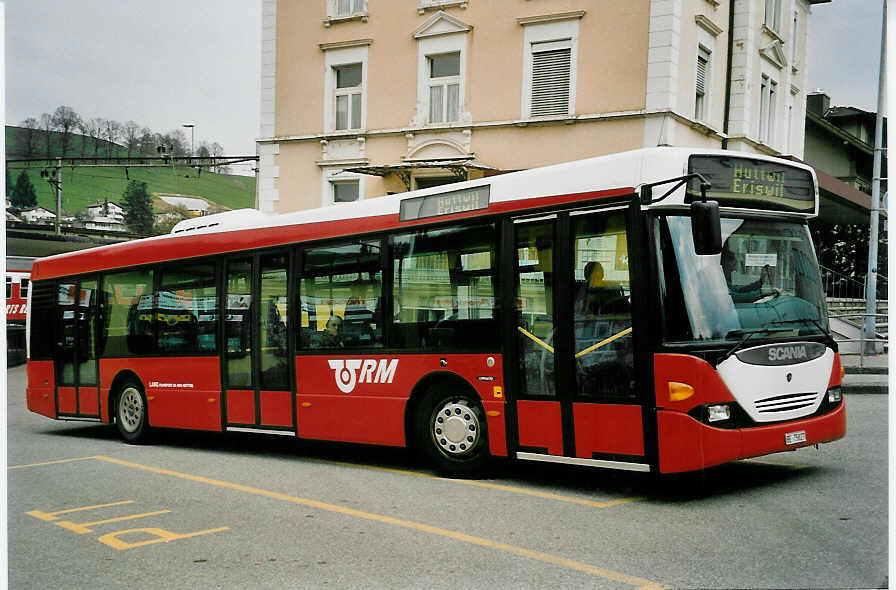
{"x":457,"y":166}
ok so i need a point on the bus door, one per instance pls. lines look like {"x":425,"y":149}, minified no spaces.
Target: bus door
{"x":256,"y":351}
{"x":575,"y":390}
{"x":77,"y":391}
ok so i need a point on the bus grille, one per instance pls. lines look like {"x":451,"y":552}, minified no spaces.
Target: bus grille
{"x":785,"y":403}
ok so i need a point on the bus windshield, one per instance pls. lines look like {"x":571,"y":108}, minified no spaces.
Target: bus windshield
{"x":765,"y":281}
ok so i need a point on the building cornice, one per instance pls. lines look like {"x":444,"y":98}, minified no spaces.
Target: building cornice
{"x":531,"y":122}
{"x":345,"y":44}
{"x":712,"y":28}
{"x":547,"y":18}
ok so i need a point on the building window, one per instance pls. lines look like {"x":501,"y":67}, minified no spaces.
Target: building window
{"x":345,"y":9}
{"x":767,"y":106}
{"x":345,"y":191}
{"x":773,"y":14}
{"x":551,"y":78}
{"x":348,"y":96}
{"x":550,"y":54}
{"x":702,"y":85}
{"x":444,"y":87}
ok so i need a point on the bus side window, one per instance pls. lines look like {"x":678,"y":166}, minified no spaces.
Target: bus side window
{"x":443,"y":289}
{"x":340,"y":297}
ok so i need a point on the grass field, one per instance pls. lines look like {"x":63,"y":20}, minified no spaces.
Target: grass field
{"x":83,"y":185}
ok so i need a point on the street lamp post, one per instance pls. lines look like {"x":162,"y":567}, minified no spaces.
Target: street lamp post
{"x":191,"y":126}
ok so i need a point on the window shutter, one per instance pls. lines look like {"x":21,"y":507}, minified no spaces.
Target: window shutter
{"x":702,"y":64}
{"x":551,"y":81}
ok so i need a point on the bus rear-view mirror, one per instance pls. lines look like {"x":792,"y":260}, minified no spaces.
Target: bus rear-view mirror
{"x":706,"y":227}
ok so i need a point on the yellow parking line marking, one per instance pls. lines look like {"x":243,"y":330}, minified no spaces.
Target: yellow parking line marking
{"x":82,"y":528}
{"x":51,"y":516}
{"x":640,"y":583}
{"x":10,"y":468}
{"x":497,"y":486}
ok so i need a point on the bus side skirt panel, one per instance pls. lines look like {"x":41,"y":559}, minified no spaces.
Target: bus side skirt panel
{"x":176,"y":398}
{"x":40,"y":393}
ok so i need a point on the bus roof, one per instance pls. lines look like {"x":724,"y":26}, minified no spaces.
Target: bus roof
{"x":608,"y":176}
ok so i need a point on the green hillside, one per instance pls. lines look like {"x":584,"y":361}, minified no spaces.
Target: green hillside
{"x":83,"y":185}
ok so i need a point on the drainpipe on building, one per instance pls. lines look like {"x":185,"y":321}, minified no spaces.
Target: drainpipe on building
{"x":728,"y":76}
{"x":871,"y":281}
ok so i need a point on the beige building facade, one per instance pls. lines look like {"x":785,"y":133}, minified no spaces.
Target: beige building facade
{"x":361,"y":98}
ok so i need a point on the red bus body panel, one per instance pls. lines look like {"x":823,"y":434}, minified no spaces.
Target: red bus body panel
{"x":613,"y":429}
{"x":16,"y":305}
{"x":180,"y":393}
{"x":67,"y":400}
{"x":540,"y":425}
{"x":276,"y":408}
{"x":88,"y":401}
{"x":371,"y":406}
{"x":40,"y":393}
{"x":240,"y":406}
{"x":686,"y":444}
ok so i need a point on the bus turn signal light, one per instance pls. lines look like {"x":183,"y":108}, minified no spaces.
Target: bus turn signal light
{"x":679,"y":391}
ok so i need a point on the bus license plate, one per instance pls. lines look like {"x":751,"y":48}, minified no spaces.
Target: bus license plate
{"x":792,"y":438}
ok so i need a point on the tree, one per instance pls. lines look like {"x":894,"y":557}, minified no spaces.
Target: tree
{"x":97,"y":124}
{"x":131,"y":136}
{"x":112,"y":130}
{"x":30,"y":135}
{"x":65,"y":119}
{"x":46,"y":125}
{"x":23,"y":195}
{"x":137,"y":207}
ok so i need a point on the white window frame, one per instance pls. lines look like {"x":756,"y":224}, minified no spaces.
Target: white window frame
{"x":337,"y":176}
{"x":440,"y":45}
{"x":562,"y":32}
{"x":334,"y":58}
{"x":772,"y":17}
{"x":349,"y":92}
{"x":443,"y":82}
{"x":342,"y":10}
{"x":768,"y":103}
{"x":702,"y":92}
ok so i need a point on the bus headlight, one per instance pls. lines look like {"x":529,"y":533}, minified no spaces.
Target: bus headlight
{"x":718,"y":413}
{"x":835,"y":394}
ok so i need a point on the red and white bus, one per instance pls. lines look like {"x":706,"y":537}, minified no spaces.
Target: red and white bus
{"x":18,"y":277}
{"x":610,"y":312}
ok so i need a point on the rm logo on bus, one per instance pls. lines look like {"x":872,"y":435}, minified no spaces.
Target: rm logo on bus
{"x":371,"y":371}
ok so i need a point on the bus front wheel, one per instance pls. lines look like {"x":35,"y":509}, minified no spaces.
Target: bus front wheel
{"x":131,"y":416}
{"x":452,"y":432}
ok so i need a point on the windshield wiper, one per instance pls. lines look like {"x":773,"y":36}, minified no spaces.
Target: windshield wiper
{"x":747,"y":334}
{"x":814,"y":321}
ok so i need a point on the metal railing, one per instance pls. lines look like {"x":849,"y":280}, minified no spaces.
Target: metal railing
{"x":841,"y":286}
{"x":863,"y":341}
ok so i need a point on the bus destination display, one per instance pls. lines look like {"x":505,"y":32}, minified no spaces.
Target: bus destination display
{"x":745,"y":182}
{"x":461,"y":201}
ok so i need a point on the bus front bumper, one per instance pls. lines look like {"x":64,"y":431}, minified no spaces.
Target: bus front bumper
{"x":685,"y":444}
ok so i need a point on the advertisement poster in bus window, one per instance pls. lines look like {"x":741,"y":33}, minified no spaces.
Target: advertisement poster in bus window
{"x":127,"y":294}
{"x":66,"y":295}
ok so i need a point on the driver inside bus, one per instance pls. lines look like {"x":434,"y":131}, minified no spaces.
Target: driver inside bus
{"x":749,"y":292}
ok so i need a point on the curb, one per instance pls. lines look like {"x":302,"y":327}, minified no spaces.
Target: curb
{"x":876,"y":389}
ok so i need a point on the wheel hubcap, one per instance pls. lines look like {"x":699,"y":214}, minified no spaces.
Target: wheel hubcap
{"x":456,"y":429}
{"x":130,"y":409}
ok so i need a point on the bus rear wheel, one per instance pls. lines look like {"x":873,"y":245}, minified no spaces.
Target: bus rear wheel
{"x":131,"y":415}
{"x":452,"y":432}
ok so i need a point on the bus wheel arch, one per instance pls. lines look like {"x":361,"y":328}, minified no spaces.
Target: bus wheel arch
{"x":128,"y":407}
{"x":446,"y":425}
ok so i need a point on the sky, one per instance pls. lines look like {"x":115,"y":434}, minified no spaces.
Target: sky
{"x":161,"y":63}
{"x":165,"y":63}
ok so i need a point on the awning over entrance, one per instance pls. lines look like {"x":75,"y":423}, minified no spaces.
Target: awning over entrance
{"x":457,"y":166}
